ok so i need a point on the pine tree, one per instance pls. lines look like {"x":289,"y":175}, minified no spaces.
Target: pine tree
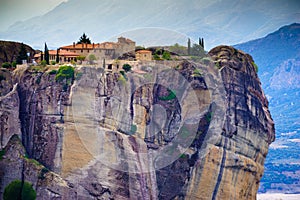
{"x":22,"y":54}
{"x":189,"y":46}
{"x":84,"y":39}
{"x":46,"y":54}
{"x":57,"y":56}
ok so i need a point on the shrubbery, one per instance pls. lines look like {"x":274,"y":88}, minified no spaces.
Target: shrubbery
{"x":126,"y":67}
{"x":16,"y":191}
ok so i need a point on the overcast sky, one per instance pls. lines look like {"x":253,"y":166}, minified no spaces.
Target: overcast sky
{"x":12,"y":11}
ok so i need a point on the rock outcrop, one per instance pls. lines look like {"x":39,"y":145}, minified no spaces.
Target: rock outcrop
{"x":184,"y":131}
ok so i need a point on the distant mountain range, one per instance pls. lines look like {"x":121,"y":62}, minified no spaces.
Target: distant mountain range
{"x":219,"y":22}
{"x":278,"y":58}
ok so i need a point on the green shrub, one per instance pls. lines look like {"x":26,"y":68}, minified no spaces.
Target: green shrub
{"x":53,"y":62}
{"x":44,"y":63}
{"x":2,"y":77}
{"x":53,"y":71}
{"x":255,"y":66}
{"x":65,"y":73}
{"x":15,"y":191}
{"x":2,"y":153}
{"x":14,"y":64}
{"x":197,"y":73}
{"x":126,"y":67}
{"x":166,"y":55}
{"x":6,"y":65}
{"x":133,"y":129}
{"x":170,"y":96}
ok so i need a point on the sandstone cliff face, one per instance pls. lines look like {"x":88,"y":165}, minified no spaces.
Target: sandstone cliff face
{"x":183,"y":131}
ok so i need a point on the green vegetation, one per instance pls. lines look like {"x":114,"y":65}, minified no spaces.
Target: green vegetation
{"x":126,"y":67}
{"x":197,"y":73}
{"x":57,"y":56}
{"x":92,"y":58}
{"x":78,"y":75}
{"x":178,"y":49}
{"x":65,"y":73}
{"x":170,"y":96}
{"x":166,"y":55}
{"x":17,"y":190}
{"x":53,"y":62}
{"x":189,"y":46}
{"x":84,"y":39}
{"x":2,"y":153}
{"x":156,"y":57}
{"x":46,"y":52}
{"x":133,"y":129}
{"x":255,"y":66}
{"x":206,"y":60}
{"x":122,"y":78}
{"x":2,"y":78}
{"x":22,"y":54}
{"x":184,"y":156}
{"x":80,"y":58}
{"x":53,"y":71}
{"x":42,"y":173}
{"x":44,"y":63}
{"x":208,"y":116}
{"x":197,"y":50}
{"x":6,"y":65}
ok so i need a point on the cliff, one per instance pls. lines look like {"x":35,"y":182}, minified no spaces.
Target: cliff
{"x":177,"y":130}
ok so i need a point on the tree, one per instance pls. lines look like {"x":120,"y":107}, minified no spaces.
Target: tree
{"x":46,"y":54}
{"x":189,"y":46}
{"x":84,"y":39}
{"x":18,"y":190}
{"x":92,"y":58}
{"x":197,"y":50}
{"x":22,"y":54}
{"x":126,"y":67}
{"x":65,"y":72}
{"x":57,"y":56}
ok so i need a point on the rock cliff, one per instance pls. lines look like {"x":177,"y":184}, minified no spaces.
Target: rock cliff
{"x":177,"y":130}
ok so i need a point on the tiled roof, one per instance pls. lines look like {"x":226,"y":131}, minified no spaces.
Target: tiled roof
{"x":144,"y":51}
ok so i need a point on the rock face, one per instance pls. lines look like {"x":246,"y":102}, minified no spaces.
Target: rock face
{"x":184,"y":131}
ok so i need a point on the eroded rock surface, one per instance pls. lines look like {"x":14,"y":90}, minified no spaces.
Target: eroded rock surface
{"x":189,"y":131}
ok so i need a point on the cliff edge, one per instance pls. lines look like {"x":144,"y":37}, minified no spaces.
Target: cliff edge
{"x":169,"y":130}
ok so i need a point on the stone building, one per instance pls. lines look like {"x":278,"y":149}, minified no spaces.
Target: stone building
{"x":143,"y":55}
{"x":108,"y":50}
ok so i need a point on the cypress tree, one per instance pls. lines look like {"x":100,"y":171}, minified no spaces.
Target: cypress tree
{"x":189,"y":46}
{"x":202,"y":43}
{"x":46,"y":54}
{"x":22,"y":54}
{"x":57,"y":56}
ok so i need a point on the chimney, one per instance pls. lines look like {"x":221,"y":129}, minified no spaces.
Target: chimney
{"x":73,"y":44}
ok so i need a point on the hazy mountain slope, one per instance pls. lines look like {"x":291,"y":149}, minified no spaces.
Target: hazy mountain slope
{"x":218,"y":22}
{"x":278,"y":58}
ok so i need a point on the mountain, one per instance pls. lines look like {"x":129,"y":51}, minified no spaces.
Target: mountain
{"x":165,"y":130}
{"x":278,"y":58}
{"x":219,"y":22}
{"x":10,"y":50}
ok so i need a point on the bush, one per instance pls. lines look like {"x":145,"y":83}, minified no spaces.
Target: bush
{"x":126,"y":67}
{"x":15,"y":191}
{"x":65,"y":73}
{"x":44,"y":63}
{"x":166,"y":55}
{"x":53,"y":71}
{"x":6,"y":65}
{"x":2,"y":77}
{"x":14,"y":64}
{"x":53,"y":62}
{"x":197,"y":73}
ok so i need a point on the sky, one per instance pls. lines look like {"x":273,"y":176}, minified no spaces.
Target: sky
{"x":12,"y":11}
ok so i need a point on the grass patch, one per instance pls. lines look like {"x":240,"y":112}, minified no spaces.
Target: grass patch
{"x":170,"y":96}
